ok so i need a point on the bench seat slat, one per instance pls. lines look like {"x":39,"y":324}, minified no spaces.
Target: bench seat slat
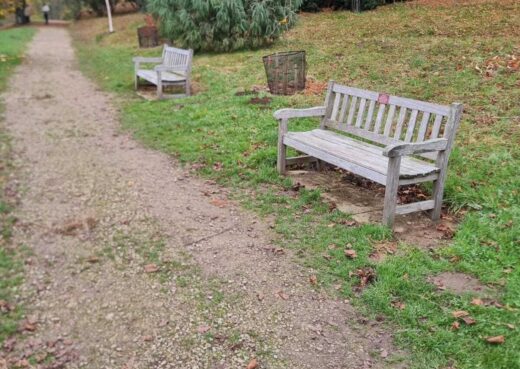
{"x":410,"y":164}
{"x":359,"y":157}
{"x":151,"y":76}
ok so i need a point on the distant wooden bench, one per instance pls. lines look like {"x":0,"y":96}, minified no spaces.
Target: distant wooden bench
{"x":172,"y":69}
{"x":388,"y":139}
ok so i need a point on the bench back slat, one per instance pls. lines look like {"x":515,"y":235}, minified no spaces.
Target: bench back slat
{"x":385,"y":119}
{"x":178,"y":59}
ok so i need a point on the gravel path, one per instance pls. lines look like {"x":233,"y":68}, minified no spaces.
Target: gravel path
{"x":138,"y":264}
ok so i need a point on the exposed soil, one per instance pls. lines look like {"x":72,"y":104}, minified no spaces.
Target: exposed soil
{"x":459,"y":283}
{"x":138,"y":264}
{"x":364,"y":200}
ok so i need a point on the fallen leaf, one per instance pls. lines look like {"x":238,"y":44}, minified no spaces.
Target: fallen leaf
{"x":203,"y":329}
{"x":510,"y":326}
{"x":398,"y":305}
{"x":24,"y":363}
{"x":496,"y":340}
{"x":282,"y":295}
{"x":477,"y":302}
{"x":28,"y":326}
{"x":260,"y":296}
{"x":151,"y":268}
{"x":5,"y":307}
{"x":350,"y":253}
{"x":469,"y":320}
{"x":93,"y":259}
{"x":147,"y":338}
{"x":253,"y":364}
{"x":455,"y":325}
{"x":459,"y":313}
{"x":220,"y":203}
{"x":366,"y":275}
{"x":384,"y":354}
{"x":350,"y":223}
{"x":313,"y":279}
{"x":447,"y":231}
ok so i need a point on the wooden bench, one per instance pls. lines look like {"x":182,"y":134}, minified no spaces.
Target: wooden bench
{"x":172,"y":69}
{"x":388,"y":139}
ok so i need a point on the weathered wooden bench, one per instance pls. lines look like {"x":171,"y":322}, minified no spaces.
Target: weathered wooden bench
{"x":173,"y":68}
{"x":388,"y":139}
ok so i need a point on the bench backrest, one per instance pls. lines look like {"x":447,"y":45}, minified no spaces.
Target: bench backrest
{"x":177,"y":59}
{"x":387,"y":119}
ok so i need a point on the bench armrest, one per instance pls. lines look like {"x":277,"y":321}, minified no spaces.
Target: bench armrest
{"x":402,"y":149}
{"x":317,"y":111}
{"x":142,"y":59}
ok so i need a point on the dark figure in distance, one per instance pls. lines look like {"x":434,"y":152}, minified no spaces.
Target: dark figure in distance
{"x":46,"y":9}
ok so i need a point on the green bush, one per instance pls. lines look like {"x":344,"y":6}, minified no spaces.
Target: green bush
{"x":223,"y":25}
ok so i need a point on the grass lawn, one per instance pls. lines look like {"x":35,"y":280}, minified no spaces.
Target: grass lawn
{"x":442,"y":53}
{"x":12,"y":44}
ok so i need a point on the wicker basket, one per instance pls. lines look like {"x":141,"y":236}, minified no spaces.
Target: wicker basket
{"x":286,"y":72}
{"x":148,"y":36}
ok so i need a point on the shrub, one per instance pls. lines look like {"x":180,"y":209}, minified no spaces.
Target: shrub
{"x":223,"y":25}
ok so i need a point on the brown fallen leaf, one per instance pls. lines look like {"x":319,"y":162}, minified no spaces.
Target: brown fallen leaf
{"x":24,"y":363}
{"x":498,"y":340}
{"x":282,"y":295}
{"x":203,"y":329}
{"x":476,"y":301}
{"x":219,"y":203}
{"x":455,"y":325}
{"x":148,"y":338}
{"x":151,"y":268}
{"x":93,"y":259}
{"x":447,"y":231}
{"x":313,"y":280}
{"x":29,"y":326}
{"x":398,"y":305}
{"x":459,"y":313}
{"x":350,"y":253}
{"x":469,"y":320}
{"x":5,"y":307}
{"x":350,"y":223}
{"x":253,"y":364}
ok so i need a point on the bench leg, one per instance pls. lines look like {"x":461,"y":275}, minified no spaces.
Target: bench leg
{"x":438,"y":186}
{"x":282,"y":158}
{"x":392,"y":185}
{"x":136,"y":82}
{"x":438,"y":192}
{"x":159,"y":90}
{"x":282,"y":149}
{"x":188,"y":88}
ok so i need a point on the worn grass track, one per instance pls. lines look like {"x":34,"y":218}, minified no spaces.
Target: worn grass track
{"x":450,"y":52}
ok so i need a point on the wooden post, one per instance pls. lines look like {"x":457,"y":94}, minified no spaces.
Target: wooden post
{"x":109,"y":13}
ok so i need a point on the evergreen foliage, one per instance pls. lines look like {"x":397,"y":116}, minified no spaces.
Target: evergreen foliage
{"x":223,"y":25}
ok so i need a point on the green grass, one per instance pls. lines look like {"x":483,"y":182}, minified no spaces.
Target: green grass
{"x":12,"y":44}
{"x":430,"y":53}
